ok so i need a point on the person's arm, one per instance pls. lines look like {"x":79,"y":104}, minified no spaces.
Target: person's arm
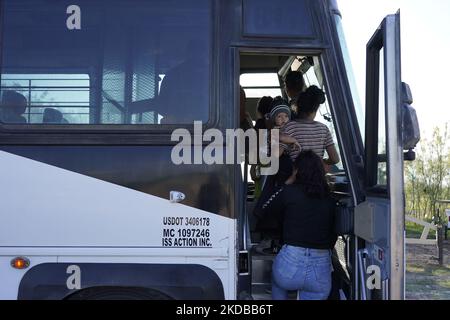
{"x":283,"y":147}
{"x":284,"y":138}
{"x":333,"y":156}
{"x":278,"y":152}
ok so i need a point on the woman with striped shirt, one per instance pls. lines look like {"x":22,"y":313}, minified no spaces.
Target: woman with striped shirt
{"x":310,"y":134}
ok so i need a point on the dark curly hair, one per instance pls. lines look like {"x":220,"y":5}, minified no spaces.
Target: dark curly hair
{"x":264,"y":105}
{"x":277,"y":101}
{"x":294,"y":81}
{"x":311,"y":175}
{"x":310,"y":100}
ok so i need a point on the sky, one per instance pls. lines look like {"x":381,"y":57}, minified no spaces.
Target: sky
{"x":425,"y":32}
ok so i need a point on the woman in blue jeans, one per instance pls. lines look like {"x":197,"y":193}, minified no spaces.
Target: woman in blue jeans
{"x":306,"y":212}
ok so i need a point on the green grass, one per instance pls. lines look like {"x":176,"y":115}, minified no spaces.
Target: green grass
{"x":414,"y":231}
{"x":441,"y":271}
{"x":429,"y":270}
{"x":415,"y":269}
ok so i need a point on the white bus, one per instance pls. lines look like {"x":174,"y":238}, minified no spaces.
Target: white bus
{"x":92,"y":207}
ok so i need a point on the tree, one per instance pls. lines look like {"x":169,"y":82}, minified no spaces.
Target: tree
{"x":428,"y":178}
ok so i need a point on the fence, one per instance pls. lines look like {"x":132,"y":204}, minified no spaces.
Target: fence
{"x":424,"y":236}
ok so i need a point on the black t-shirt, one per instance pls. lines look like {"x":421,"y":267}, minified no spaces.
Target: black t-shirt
{"x":307,"y":222}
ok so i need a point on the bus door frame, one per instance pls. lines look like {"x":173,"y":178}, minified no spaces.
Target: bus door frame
{"x":383,"y":211}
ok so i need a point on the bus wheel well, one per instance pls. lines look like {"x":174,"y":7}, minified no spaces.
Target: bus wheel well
{"x":118,"y":293}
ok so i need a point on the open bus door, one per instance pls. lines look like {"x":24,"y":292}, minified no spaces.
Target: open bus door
{"x":379,"y":221}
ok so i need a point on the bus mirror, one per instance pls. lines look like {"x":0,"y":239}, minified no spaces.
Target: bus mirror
{"x":410,"y":123}
{"x":406,"y":94}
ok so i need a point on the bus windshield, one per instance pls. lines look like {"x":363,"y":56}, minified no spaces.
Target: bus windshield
{"x":360,"y":111}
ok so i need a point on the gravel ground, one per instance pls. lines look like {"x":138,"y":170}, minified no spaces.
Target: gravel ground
{"x":425,"y":279}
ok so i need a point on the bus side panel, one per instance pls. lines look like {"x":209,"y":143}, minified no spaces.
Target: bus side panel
{"x":53,"y":208}
{"x":148,"y":169}
{"x":50,"y":206}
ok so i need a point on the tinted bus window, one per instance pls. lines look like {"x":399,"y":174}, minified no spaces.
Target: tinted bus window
{"x":105,"y":61}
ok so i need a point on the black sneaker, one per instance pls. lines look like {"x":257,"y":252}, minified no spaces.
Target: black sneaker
{"x":263,"y":246}
{"x":268,"y":251}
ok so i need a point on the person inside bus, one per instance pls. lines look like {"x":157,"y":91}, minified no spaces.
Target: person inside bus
{"x":305,"y":209}
{"x":262,"y":111}
{"x":280,"y":115}
{"x":13,"y":107}
{"x":272,"y":114}
{"x":262,"y":123}
{"x":182,"y":98}
{"x":245,"y":120}
{"x":311,"y":134}
{"x":294,"y":84}
{"x":53,"y":116}
{"x":271,"y":120}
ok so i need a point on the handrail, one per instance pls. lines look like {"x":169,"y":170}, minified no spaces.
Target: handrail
{"x":362,"y":272}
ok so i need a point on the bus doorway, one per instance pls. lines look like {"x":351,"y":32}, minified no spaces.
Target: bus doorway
{"x":262,"y":77}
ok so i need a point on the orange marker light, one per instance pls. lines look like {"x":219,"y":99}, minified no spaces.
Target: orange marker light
{"x":20,"y":263}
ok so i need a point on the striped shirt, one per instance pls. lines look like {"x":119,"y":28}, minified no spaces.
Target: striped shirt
{"x":311,"y":135}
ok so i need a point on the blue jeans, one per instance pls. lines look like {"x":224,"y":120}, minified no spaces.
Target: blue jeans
{"x":308,"y":271}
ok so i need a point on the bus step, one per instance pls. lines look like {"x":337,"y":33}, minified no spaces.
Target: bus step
{"x":262,"y":268}
{"x":262,"y":291}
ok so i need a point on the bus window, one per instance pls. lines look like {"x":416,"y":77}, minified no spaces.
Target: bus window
{"x":122,"y":62}
{"x":258,"y":85}
{"x":382,"y":146}
{"x":359,"y":110}
{"x":67,"y":94}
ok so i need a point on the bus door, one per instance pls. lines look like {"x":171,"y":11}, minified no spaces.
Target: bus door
{"x":379,"y":221}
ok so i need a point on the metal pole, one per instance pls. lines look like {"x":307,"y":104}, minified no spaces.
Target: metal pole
{"x":395,"y":157}
{"x":29,"y":101}
{"x":440,"y":244}
{"x":361,"y":274}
